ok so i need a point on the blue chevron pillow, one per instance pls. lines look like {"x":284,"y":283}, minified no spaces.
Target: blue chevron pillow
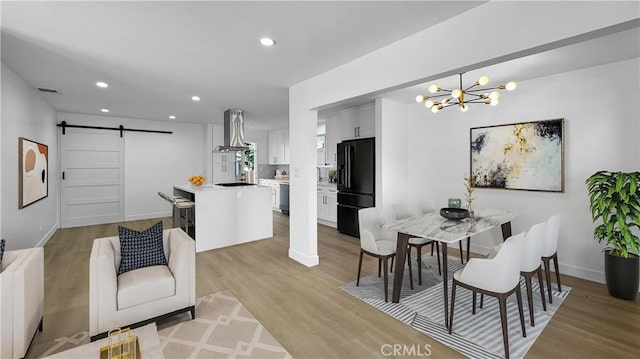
{"x":141,"y":249}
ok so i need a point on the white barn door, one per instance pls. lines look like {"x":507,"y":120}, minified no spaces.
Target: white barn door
{"x":92,"y":185}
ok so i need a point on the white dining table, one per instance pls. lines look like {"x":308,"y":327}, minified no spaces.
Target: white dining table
{"x":437,"y":228}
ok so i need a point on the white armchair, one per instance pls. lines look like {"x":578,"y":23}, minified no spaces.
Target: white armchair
{"x":21,"y":300}
{"x":140,"y":296}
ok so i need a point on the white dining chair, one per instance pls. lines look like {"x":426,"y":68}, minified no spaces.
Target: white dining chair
{"x":376,"y":242}
{"x":530,"y":264}
{"x":402,"y":211}
{"x":498,"y":277}
{"x":550,"y":251}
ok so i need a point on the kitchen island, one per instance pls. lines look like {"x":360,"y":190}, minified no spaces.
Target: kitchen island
{"x":225,"y":216}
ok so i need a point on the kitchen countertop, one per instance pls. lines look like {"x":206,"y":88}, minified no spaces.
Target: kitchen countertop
{"x":209,"y":187}
{"x":274,"y":180}
{"x":327,"y":184}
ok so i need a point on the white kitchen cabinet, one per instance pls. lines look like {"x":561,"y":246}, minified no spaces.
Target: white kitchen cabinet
{"x":357,"y":122}
{"x":331,"y":139}
{"x":327,"y":203}
{"x":275,"y":192}
{"x":278,"y":147}
{"x":223,"y":163}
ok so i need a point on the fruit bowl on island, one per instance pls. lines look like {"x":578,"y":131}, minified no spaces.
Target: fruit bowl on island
{"x":197,"y":180}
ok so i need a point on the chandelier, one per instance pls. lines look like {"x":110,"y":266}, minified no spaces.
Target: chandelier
{"x":460,"y":97}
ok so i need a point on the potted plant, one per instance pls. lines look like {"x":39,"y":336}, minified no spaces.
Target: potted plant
{"x":614,"y":199}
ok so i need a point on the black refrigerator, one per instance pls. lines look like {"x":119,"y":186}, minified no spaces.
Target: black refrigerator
{"x":356,"y":182}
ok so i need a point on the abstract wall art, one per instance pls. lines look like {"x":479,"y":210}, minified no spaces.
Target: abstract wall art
{"x":520,"y":156}
{"x":33,"y":172}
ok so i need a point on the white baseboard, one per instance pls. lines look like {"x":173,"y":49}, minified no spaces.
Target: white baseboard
{"x":328,"y":223}
{"x":308,"y":261}
{"x":48,"y":235}
{"x":137,"y":217}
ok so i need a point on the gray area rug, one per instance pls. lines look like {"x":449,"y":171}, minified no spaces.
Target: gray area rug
{"x":223,"y":328}
{"x":476,"y":336}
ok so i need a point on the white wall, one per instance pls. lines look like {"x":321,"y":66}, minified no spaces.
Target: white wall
{"x":25,"y":114}
{"x":153,"y":162}
{"x":601,"y":133}
{"x":523,"y":28}
{"x":392,"y":159}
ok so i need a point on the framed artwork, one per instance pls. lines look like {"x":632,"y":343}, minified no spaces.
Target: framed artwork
{"x":33,"y":172}
{"x":522,"y":156}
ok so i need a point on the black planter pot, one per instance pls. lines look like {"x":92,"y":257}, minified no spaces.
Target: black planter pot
{"x":622,"y":275}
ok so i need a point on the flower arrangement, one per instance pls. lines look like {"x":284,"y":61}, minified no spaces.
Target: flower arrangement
{"x":197,"y":180}
{"x":469,"y":184}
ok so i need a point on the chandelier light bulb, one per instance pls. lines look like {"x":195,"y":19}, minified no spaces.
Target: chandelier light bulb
{"x":419,"y":98}
{"x":464,"y":108}
{"x":494,"y":95}
{"x":493,"y":102}
{"x":445,"y":101}
{"x":456,"y":93}
{"x":435,"y":109}
{"x":433,"y":88}
{"x":511,"y":86}
{"x":429,"y":103}
{"x":483,"y":80}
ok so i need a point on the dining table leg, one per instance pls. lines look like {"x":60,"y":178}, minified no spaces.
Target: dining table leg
{"x":445,"y":284}
{"x":401,"y":255}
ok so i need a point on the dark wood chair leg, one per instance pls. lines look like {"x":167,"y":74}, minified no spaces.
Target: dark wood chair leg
{"x":41,"y":325}
{"x":432,"y":243}
{"x":555,"y":264}
{"x":473,"y":309}
{"x":521,"y":311}
{"x":505,"y":330}
{"x":453,"y":302}
{"x":379,"y":266}
{"x":386,"y":274}
{"x":461,"y":256}
{"x":438,"y":254}
{"x":547,"y":274}
{"x":359,"y":268}
{"x":468,"y":247}
{"x":410,"y":270}
{"x":193,"y":312}
{"x":544,"y":302}
{"x":391,"y":269}
{"x":419,"y":250}
{"x":527,"y":279}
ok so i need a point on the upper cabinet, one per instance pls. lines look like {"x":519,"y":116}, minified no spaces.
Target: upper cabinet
{"x":279,"y":147}
{"x":332,"y":137}
{"x":357,"y":122}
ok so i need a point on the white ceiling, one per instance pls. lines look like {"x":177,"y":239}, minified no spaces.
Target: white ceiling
{"x":602,"y":50}
{"x":156,"y":55}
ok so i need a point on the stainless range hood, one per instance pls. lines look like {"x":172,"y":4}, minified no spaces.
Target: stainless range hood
{"x":233,"y":132}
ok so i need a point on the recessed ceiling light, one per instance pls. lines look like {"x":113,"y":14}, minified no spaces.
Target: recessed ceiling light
{"x":172,"y":117}
{"x":105,"y":110}
{"x":267,"y":41}
{"x":102,"y":84}
{"x":195,"y":98}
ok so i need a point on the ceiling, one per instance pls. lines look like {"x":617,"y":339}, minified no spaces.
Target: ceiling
{"x":618,"y":46}
{"x":156,"y":55}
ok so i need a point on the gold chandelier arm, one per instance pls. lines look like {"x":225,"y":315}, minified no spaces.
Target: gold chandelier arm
{"x":501,"y":87}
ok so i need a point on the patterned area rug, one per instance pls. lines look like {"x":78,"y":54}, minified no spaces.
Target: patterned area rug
{"x":476,"y":336}
{"x":223,"y":328}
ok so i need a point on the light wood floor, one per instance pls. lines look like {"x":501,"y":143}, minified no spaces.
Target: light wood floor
{"x":305,"y":309}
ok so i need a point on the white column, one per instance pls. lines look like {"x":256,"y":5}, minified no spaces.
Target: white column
{"x":303,"y":235}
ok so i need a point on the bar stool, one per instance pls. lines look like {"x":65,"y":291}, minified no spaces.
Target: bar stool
{"x":181,"y":204}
